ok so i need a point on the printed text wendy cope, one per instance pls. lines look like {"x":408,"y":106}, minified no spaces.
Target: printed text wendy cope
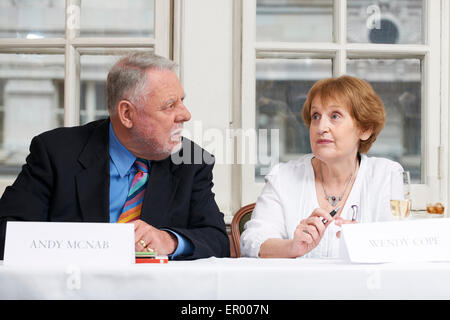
{"x":405,"y":242}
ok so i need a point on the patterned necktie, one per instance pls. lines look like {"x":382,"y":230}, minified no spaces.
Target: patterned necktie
{"x":132,"y":208}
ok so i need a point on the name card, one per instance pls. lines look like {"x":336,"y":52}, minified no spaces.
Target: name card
{"x":64,"y":243}
{"x":415,"y":240}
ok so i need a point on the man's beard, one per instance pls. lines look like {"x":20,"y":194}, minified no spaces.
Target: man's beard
{"x":154,"y":150}
{"x":175,"y":136}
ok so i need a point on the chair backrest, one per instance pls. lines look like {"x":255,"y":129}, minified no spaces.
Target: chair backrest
{"x":237,"y":225}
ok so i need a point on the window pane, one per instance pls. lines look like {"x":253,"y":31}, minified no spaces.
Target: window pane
{"x":32,"y":89}
{"x":281,"y":89}
{"x":94,"y":70}
{"x":32,"y":19}
{"x":398,"y":83}
{"x":294,"y":20}
{"x":394,"y":21}
{"x":117,"y":18}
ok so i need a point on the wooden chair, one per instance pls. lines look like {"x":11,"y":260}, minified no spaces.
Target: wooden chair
{"x":237,"y":225}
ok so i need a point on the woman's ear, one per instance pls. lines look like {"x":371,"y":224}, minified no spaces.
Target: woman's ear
{"x":125,"y":113}
{"x":365,"y":134}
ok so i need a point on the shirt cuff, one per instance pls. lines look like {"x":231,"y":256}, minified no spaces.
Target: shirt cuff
{"x":185,"y":246}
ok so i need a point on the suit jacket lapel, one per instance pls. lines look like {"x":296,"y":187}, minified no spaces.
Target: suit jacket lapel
{"x":161,"y":188}
{"x":93,"y":181}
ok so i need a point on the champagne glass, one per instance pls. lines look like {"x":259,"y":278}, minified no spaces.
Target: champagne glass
{"x":401,"y":195}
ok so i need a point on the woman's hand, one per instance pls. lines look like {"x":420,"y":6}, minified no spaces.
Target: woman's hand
{"x":339,"y":222}
{"x":309,"y":232}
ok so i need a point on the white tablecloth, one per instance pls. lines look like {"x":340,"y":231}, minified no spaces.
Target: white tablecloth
{"x":231,"y":279}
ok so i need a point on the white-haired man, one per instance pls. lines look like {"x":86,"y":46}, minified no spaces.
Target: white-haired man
{"x":121,"y":169}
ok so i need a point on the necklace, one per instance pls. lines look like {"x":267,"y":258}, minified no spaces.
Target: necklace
{"x":334,"y":200}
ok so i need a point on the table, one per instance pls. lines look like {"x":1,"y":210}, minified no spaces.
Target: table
{"x":231,"y":279}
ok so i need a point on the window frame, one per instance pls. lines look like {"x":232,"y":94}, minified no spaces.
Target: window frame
{"x":433,"y":54}
{"x":72,"y":47}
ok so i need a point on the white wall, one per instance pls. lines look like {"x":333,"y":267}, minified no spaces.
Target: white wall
{"x":206,"y":74}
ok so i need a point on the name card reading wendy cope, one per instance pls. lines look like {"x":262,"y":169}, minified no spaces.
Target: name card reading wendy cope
{"x":397,"y":241}
{"x":63,"y":243}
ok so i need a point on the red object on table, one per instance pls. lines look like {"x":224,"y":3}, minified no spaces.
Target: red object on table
{"x":152,"y":260}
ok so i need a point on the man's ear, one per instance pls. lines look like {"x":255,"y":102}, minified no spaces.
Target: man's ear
{"x":126,"y":112}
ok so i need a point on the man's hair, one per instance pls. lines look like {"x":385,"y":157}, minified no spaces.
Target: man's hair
{"x":364,"y":105}
{"x":127,"y":78}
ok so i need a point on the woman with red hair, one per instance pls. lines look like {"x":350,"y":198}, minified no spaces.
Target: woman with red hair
{"x":292,"y":215}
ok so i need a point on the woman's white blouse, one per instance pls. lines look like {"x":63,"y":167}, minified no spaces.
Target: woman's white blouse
{"x":289,"y":196}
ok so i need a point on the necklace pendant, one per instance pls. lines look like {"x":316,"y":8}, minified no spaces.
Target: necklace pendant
{"x":333,"y":200}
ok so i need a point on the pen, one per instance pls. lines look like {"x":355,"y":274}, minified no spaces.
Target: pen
{"x":332,"y":213}
{"x":355,"y":212}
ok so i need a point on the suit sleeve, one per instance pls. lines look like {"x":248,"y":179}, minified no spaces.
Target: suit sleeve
{"x":28,"y":197}
{"x":206,"y":228}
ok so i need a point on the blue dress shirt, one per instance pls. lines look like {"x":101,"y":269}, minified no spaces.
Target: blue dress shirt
{"x":121,"y":173}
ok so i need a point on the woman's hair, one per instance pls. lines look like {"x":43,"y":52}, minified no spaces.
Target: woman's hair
{"x":127,"y":78}
{"x":363,"y":104}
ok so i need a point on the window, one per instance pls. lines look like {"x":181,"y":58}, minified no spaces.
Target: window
{"x":54,"y":58}
{"x":394,"y":45}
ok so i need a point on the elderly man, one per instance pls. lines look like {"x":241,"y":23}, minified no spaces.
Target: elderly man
{"x":122,"y":169}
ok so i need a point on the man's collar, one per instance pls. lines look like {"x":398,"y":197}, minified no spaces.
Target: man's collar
{"x":122,"y":158}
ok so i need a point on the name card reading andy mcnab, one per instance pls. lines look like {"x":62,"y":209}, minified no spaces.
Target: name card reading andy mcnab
{"x":414,"y":240}
{"x":63,"y":243}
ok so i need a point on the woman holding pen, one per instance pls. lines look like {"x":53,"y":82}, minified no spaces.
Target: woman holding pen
{"x":305,"y":201}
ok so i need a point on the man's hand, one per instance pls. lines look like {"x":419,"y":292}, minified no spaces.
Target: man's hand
{"x":148,"y":237}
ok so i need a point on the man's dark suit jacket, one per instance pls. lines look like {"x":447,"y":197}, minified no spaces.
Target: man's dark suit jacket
{"x":66,"y":179}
